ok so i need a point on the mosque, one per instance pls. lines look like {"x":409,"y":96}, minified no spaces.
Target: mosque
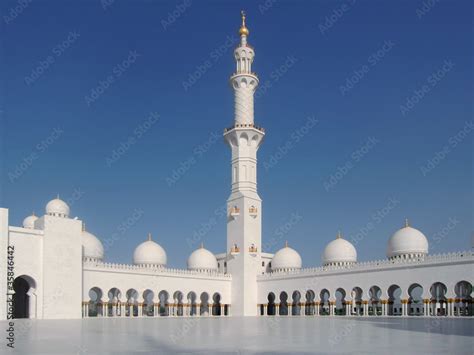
{"x":54,"y":268}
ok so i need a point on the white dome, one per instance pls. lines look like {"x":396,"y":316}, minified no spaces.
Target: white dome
{"x":407,"y":241}
{"x":92,"y":246}
{"x":285,"y":259}
{"x":202,"y":259}
{"x":29,"y":222}
{"x":339,"y":251}
{"x":57,"y":208}
{"x":149,"y":253}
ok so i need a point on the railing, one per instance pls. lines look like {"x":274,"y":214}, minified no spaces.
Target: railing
{"x":147,"y":269}
{"x":245,"y":125}
{"x":244,"y":73}
{"x":374,"y":265}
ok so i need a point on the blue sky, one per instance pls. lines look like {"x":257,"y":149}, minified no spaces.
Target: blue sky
{"x":367,"y":107}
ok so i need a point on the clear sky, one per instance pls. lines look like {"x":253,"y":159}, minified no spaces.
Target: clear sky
{"x":119,"y":106}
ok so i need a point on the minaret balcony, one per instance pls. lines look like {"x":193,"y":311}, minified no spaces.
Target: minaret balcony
{"x":235,"y":249}
{"x":235,"y":211}
{"x":244,"y":74}
{"x":253,"y":211}
{"x":245,"y":125}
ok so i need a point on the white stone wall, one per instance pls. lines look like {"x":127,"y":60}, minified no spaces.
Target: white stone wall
{"x":28,"y":244}
{"x":449,"y":270}
{"x":62,"y":267}
{"x":126,"y":277}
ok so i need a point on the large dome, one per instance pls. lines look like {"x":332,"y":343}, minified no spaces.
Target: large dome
{"x":286,"y":259}
{"x":92,"y":246}
{"x":202,"y":259}
{"x":29,"y":222}
{"x":339,"y":252}
{"x":149,"y":253}
{"x":407,"y":242}
{"x":58,"y":208}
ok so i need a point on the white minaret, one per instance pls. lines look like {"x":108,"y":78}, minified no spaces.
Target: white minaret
{"x":244,"y":206}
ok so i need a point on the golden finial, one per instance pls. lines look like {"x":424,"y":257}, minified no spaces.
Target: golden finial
{"x":243,"y":29}
{"x":149,"y":236}
{"x":406,"y":223}
{"x":286,"y":244}
{"x":339,"y":236}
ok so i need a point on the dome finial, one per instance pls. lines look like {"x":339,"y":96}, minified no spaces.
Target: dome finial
{"x":406,"y":223}
{"x":33,"y":214}
{"x":149,"y":236}
{"x":243,"y":29}
{"x":83,"y":226}
{"x":339,"y":236}
{"x":57,"y":197}
{"x":202,"y":245}
{"x":286,"y":244}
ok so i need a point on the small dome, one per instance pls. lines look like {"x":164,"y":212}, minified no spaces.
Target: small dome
{"x":149,"y":253}
{"x":339,"y":252}
{"x":29,"y":222}
{"x":202,"y":259}
{"x":92,"y":246}
{"x":286,"y":259}
{"x":57,"y":208}
{"x":409,"y":242}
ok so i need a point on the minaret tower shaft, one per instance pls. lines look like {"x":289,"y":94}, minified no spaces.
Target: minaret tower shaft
{"x":244,"y":206}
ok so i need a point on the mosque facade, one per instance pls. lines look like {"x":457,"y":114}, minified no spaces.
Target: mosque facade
{"x":53,"y":268}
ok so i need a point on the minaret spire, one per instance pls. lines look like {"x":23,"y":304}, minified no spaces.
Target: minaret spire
{"x":243,"y":32}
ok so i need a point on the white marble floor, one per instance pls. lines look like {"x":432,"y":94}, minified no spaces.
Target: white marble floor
{"x":315,"y":335}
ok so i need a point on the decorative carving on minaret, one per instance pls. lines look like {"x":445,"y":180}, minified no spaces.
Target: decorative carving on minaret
{"x":244,"y":81}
